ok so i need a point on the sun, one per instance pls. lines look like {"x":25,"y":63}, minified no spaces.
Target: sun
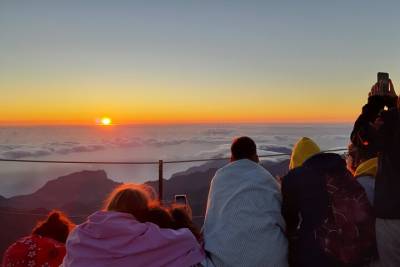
{"x":106,"y":121}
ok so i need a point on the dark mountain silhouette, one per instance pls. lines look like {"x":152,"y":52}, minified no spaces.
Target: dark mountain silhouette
{"x":79,"y":194}
{"x":67,"y":193}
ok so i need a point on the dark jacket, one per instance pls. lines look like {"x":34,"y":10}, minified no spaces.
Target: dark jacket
{"x":305,"y":207}
{"x":384,"y":137}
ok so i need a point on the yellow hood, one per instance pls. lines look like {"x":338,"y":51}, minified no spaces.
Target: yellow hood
{"x":302,"y":150}
{"x":367,"y":168}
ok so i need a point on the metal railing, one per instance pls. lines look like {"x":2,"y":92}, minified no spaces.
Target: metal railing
{"x":160,"y":164}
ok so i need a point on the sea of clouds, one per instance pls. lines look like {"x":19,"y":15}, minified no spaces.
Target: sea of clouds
{"x":140,"y":144}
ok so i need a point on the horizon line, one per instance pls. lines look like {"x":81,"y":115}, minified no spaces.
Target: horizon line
{"x":66,"y":124}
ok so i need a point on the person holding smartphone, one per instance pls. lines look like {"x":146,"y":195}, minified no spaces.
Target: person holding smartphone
{"x":378,"y":128}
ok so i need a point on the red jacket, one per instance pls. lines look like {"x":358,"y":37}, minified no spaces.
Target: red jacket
{"x":34,"y":250}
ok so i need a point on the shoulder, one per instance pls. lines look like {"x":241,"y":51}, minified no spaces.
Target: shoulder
{"x":243,"y":173}
{"x":325,"y":162}
{"x":240,"y":168}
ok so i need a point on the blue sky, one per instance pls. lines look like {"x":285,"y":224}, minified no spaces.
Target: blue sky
{"x":239,"y":55}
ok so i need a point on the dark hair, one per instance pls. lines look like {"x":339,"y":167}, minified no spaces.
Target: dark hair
{"x":360,"y":154}
{"x":243,"y":148}
{"x":160,"y":216}
{"x":129,"y":198}
{"x":182,"y":220}
{"x":57,"y":226}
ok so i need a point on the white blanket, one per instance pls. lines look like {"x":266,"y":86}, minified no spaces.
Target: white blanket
{"x":243,"y":224}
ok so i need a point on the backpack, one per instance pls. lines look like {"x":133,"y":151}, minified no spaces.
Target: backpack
{"x":348,"y":233}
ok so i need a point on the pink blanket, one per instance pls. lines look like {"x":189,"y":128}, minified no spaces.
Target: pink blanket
{"x":111,"y":238}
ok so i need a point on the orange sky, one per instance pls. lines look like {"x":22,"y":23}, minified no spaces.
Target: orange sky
{"x":70,"y":105}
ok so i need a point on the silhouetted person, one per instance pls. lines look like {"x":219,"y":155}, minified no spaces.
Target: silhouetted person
{"x":328,"y":217}
{"x":44,"y":247}
{"x":120,"y":236}
{"x":379,"y":129}
{"x":243,"y":224}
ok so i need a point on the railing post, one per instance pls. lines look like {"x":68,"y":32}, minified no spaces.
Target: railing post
{"x":160,"y":180}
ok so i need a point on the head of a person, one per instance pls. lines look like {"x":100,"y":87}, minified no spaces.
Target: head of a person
{"x":129,"y":198}
{"x":358,"y":155}
{"x":303,"y":150}
{"x":160,"y":216}
{"x":244,"y":148}
{"x":57,"y":226}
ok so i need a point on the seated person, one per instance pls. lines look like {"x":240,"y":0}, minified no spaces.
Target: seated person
{"x":44,"y":247}
{"x":328,"y":216}
{"x":120,"y":236}
{"x":243,"y":224}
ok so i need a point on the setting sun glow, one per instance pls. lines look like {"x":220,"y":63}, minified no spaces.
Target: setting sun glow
{"x":106,"y":121}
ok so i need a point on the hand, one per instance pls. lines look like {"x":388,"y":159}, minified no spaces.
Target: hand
{"x":380,"y":90}
{"x":184,"y":208}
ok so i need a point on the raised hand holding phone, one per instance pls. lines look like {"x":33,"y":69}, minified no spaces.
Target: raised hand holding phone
{"x":383,"y":86}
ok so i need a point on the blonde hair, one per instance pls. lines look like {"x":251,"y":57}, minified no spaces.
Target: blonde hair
{"x":129,"y":198}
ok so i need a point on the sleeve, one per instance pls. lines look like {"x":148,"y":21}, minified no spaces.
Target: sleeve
{"x":364,"y":133}
{"x":290,"y":209}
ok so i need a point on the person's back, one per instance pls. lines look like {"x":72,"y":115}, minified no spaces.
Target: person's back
{"x":304,"y":192}
{"x":316,"y":196}
{"x":119,"y":236}
{"x":243,"y":224}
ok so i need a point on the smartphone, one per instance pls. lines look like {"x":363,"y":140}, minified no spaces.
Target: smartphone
{"x":181,"y":199}
{"x":384,"y":78}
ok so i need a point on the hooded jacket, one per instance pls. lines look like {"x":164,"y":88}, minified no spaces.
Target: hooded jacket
{"x":116,"y":239}
{"x":306,"y":205}
{"x":302,"y":150}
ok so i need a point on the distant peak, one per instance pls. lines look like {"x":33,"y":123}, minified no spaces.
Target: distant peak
{"x":84,"y":178}
{"x":97,"y":174}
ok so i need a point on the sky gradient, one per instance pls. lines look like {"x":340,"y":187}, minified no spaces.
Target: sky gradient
{"x":72,"y":62}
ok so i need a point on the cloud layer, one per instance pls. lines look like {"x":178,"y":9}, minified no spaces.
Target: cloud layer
{"x":209,"y":142}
